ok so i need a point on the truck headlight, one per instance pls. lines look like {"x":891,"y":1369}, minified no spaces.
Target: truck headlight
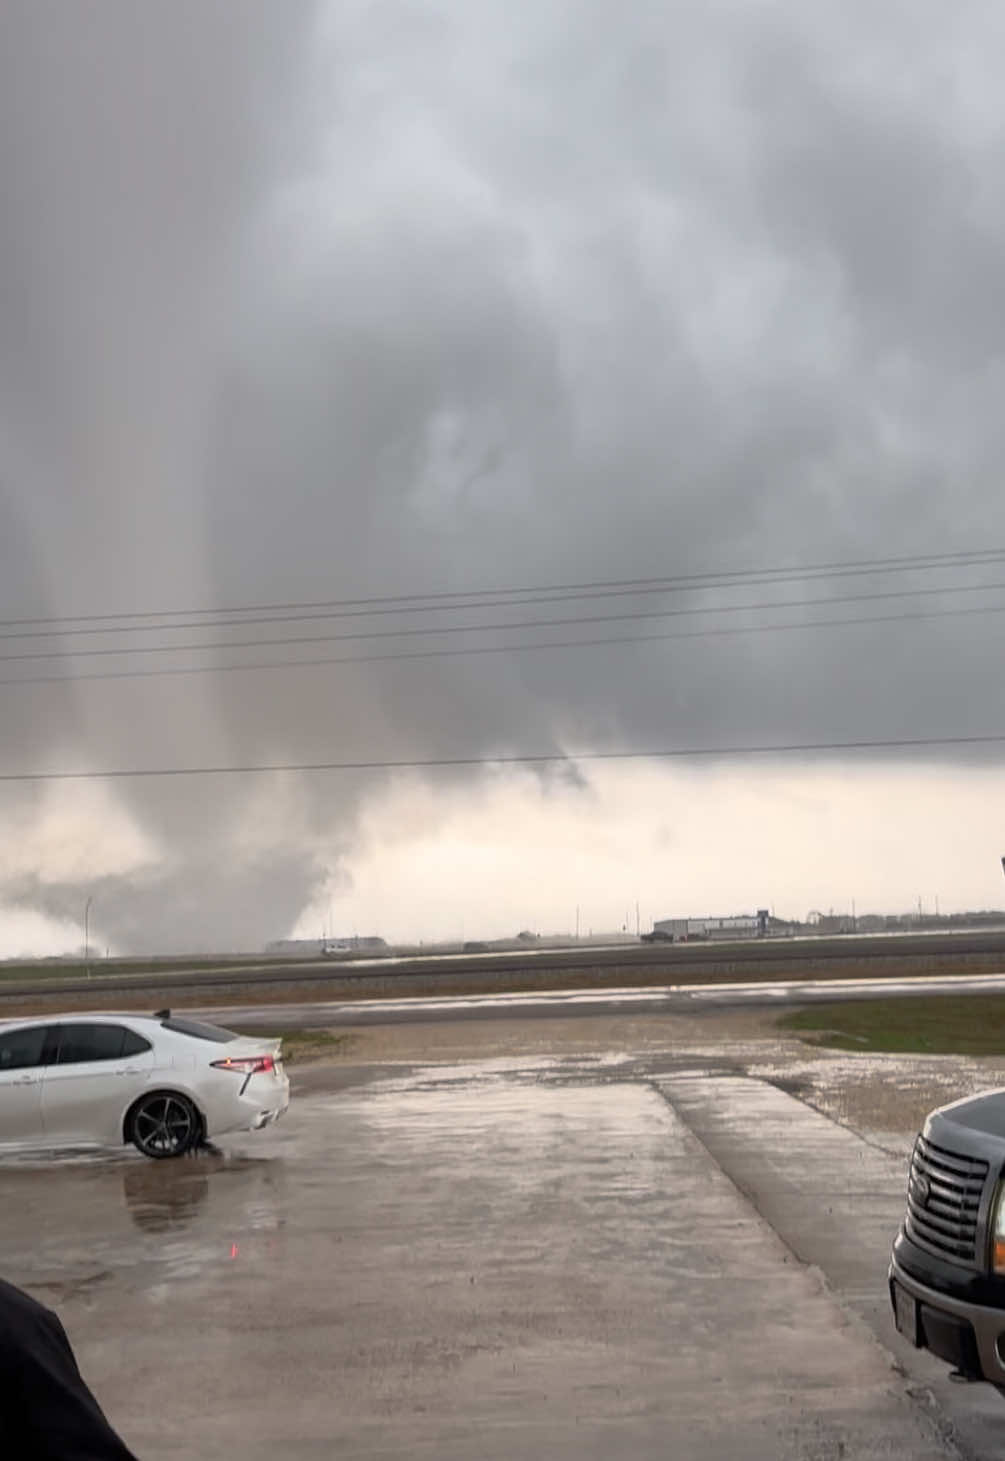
{"x":998,"y":1230}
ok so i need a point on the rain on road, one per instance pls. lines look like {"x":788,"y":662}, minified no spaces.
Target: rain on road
{"x":546,"y":1256}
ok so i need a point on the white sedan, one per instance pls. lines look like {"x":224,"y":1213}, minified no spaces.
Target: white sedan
{"x":165,"y":1083}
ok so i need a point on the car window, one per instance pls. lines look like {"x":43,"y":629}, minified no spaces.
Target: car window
{"x":22,"y":1048}
{"x":199,"y":1030}
{"x":81,"y":1043}
{"x":133,"y":1044}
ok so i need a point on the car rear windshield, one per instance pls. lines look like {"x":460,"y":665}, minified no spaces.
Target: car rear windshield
{"x":198,"y":1030}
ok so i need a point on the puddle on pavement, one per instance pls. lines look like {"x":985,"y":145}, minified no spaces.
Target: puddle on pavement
{"x":72,"y":1219}
{"x":70,"y":1216}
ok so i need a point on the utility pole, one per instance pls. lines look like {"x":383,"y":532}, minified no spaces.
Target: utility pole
{"x":638,"y":925}
{"x":577,"y":923}
{"x":87,"y":938}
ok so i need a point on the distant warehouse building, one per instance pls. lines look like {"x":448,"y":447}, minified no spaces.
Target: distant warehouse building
{"x":733,"y":925}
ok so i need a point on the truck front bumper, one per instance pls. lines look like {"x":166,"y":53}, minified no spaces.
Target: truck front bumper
{"x":970,"y":1337}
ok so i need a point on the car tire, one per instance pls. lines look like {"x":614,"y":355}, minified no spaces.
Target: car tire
{"x":164,"y":1124}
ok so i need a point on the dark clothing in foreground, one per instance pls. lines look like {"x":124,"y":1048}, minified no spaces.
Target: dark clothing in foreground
{"x":47,"y":1412}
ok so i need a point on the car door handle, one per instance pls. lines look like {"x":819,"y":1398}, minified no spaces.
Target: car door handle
{"x":129,"y":1070}
{"x":26,"y":1080}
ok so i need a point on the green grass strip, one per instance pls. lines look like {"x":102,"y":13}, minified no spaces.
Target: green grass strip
{"x":967,"y":1024}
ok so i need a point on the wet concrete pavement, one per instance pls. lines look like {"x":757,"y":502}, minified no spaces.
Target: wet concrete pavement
{"x":588,"y":1257}
{"x":834,"y":1197}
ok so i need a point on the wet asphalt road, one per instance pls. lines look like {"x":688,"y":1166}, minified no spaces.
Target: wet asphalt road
{"x":981,"y":949}
{"x":684,"y":999}
{"x":590,"y":1258}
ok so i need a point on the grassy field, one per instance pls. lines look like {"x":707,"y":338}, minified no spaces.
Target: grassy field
{"x":971,"y":1024}
{"x":97,"y":968}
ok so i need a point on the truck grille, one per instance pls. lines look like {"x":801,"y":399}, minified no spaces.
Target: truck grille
{"x":943,"y":1197}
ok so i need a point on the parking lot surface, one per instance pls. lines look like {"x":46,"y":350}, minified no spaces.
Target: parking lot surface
{"x":515,"y":1256}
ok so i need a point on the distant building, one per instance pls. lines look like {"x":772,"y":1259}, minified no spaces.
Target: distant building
{"x":734,"y":925}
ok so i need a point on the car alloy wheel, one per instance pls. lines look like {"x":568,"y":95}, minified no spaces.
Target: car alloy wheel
{"x":165,"y":1126}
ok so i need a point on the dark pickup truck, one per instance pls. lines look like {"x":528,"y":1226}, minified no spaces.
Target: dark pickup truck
{"x":947,"y":1272}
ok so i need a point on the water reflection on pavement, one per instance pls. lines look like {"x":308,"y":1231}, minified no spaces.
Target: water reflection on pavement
{"x":498,"y":1259}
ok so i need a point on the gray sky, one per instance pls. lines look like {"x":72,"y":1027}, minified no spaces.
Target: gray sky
{"x":323,"y":301}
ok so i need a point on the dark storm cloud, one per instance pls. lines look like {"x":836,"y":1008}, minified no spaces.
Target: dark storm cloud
{"x":313,"y":301}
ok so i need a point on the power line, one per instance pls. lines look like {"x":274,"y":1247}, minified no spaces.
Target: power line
{"x":470,"y":598}
{"x":316,"y":612}
{"x":312,"y":612}
{"x":424,"y":632}
{"x":570,"y":758}
{"x":485,"y":649}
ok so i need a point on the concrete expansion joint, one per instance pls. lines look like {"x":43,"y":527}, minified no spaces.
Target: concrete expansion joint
{"x":748,"y":1194}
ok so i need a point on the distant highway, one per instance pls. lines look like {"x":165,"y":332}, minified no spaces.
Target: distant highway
{"x":676,"y":999}
{"x":628,"y":965}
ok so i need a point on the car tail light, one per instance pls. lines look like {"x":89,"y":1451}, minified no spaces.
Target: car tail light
{"x":246,"y":1064}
